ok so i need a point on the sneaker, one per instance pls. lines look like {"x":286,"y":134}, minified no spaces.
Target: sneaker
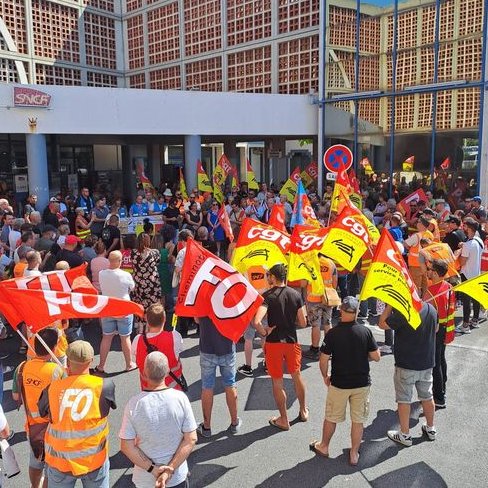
{"x":374,"y":314}
{"x":203,"y":431}
{"x":235,"y":428}
{"x":464,"y":329}
{"x":246,"y":370}
{"x":10,"y":436}
{"x":263,"y":364}
{"x":474,"y":324}
{"x":440,"y":406}
{"x":312,"y":353}
{"x":362,"y":317}
{"x":397,"y":436}
{"x":385,"y":349}
{"x":430,"y":432}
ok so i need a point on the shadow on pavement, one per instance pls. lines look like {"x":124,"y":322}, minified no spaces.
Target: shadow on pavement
{"x":416,"y":475}
{"x":205,"y":474}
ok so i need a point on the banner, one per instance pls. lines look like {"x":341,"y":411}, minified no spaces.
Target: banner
{"x":183,"y":191}
{"x":290,"y":187}
{"x":212,"y":288}
{"x":222,"y":170}
{"x":368,"y":169}
{"x":204,"y":184}
{"x":445,"y":165}
{"x":277,"y":217}
{"x":224,"y":220}
{"x":374,"y":233}
{"x":476,"y":288}
{"x":388,"y":280}
{"x":347,"y":240}
{"x":40,"y":308}
{"x":140,"y":164}
{"x":416,"y":196}
{"x":306,"y":243}
{"x":355,"y":196}
{"x":303,"y":212}
{"x":342,"y":188}
{"x":252,"y":183}
{"x":259,"y":244}
{"x":310,"y":174}
{"x":408,"y":164}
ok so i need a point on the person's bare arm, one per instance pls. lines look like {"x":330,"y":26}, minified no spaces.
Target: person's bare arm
{"x":302,"y":316}
{"x":324,"y":367}
{"x":382,"y":320}
{"x":257,"y":322}
{"x":374,"y":355}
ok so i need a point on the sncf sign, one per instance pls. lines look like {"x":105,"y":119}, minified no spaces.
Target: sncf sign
{"x":28,"y":97}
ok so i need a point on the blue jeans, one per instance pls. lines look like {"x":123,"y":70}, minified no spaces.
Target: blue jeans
{"x":95,"y":479}
{"x":226,"y":364}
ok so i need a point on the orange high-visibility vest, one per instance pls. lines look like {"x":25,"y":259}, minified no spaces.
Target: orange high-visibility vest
{"x":76,"y":438}
{"x":80,"y":232}
{"x":439,"y":250}
{"x":327,"y":271}
{"x":413,"y":252}
{"x":37,"y":374}
{"x":445,"y":304}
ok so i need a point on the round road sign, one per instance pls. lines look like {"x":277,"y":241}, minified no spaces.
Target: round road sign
{"x":338,"y":158}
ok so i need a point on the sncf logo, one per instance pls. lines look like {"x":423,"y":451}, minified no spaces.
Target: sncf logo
{"x":28,"y":97}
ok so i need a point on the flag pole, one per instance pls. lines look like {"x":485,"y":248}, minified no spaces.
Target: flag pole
{"x":25,"y":340}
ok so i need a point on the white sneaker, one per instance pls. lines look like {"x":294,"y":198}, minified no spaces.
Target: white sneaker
{"x":385,"y":349}
{"x":465,"y":329}
{"x":430,"y":432}
{"x":397,"y":436}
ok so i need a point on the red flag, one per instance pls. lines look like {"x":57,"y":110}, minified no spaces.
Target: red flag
{"x":277,"y":217}
{"x":39,"y":308}
{"x":446,"y":164}
{"x":73,"y":279}
{"x":354,"y":181}
{"x":225,"y":222}
{"x":416,"y":196}
{"x":212,"y":288}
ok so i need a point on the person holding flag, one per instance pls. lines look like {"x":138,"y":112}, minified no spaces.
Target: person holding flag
{"x":285,"y":310}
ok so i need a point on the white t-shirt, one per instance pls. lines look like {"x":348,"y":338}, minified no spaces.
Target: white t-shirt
{"x":472,"y":250}
{"x":158,"y":419}
{"x":116,"y":283}
{"x":177,"y":343}
{"x":3,"y":419}
{"x":32,"y":272}
{"x":13,"y":237}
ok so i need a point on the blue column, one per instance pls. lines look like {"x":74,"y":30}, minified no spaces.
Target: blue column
{"x":37,"y":168}
{"x":193,"y":153}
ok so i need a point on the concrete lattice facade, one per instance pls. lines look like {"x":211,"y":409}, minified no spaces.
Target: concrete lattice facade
{"x":263,"y":46}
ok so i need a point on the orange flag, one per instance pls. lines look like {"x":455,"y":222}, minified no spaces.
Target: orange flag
{"x":277,"y":217}
{"x":224,"y":220}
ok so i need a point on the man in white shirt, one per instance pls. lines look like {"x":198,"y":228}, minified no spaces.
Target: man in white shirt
{"x":116,"y":283}
{"x":470,"y":260}
{"x":34,"y":260}
{"x":158,"y":430}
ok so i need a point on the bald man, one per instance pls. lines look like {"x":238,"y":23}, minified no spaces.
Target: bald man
{"x":116,"y":283}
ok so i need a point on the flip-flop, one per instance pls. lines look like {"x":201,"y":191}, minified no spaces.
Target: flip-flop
{"x":98,"y":372}
{"x":304,"y":419}
{"x":275,"y":424}
{"x":128,"y":370}
{"x":313,"y":447}
{"x":356,"y":463}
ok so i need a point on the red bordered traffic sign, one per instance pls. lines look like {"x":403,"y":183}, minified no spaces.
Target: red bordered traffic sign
{"x":338,"y":158}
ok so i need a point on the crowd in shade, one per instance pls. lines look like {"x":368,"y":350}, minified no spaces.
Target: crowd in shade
{"x":135,"y":251}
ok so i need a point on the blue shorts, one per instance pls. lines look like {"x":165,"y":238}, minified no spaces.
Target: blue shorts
{"x":120,"y":325}
{"x":226,"y":364}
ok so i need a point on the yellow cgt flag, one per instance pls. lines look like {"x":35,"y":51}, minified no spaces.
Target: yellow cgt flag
{"x":252,"y":183}
{"x":183,"y":191}
{"x":388,"y":280}
{"x":476,"y":288}
{"x":290,"y":187}
{"x":204,"y":184}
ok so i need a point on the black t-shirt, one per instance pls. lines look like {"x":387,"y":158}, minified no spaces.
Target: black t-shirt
{"x":212,"y":341}
{"x":349,"y":344}
{"x":171,"y":213}
{"x":452,"y":239}
{"x":109,"y":234}
{"x":414,"y":348}
{"x":51,"y":219}
{"x":72,"y":258}
{"x":283,"y":304}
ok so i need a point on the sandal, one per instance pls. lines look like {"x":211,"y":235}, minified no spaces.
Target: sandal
{"x":97,"y":371}
{"x":131,"y":368}
{"x":275,"y":424}
{"x":304,"y":418}
{"x":313,"y":447}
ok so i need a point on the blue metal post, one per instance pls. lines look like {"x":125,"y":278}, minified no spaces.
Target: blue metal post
{"x":434,"y":95}
{"x":193,"y":153}
{"x":483,"y":90}
{"x":37,"y":172}
{"x":393,"y":98}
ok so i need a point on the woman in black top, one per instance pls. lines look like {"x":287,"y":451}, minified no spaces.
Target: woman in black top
{"x":193,"y":218}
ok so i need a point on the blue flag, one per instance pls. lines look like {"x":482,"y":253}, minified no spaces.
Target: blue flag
{"x":297,"y":217}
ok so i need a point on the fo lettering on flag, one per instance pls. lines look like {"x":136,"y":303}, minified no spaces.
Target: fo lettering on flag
{"x":388,"y":280}
{"x":212,"y":288}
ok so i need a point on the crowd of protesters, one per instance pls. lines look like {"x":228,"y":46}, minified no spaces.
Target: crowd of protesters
{"x":441,"y":244}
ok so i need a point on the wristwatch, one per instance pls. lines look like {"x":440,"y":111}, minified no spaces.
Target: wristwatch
{"x":150,"y":469}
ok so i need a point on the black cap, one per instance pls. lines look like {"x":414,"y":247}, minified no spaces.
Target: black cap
{"x":454,"y":219}
{"x":428,"y":211}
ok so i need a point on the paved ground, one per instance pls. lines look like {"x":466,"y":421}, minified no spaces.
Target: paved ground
{"x":261,"y":456}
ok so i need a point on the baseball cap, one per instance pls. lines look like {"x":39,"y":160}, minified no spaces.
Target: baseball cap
{"x":71,"y":239}
{"x":429,"y":212}
{"x":440,"y":200}
{"x":167,"y":193}
{"x":80,"y":352}
{"x":350,"y":304}
{"x":54,"y":200}
{"x":454,"y":219}
{"x":477,"y":199}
